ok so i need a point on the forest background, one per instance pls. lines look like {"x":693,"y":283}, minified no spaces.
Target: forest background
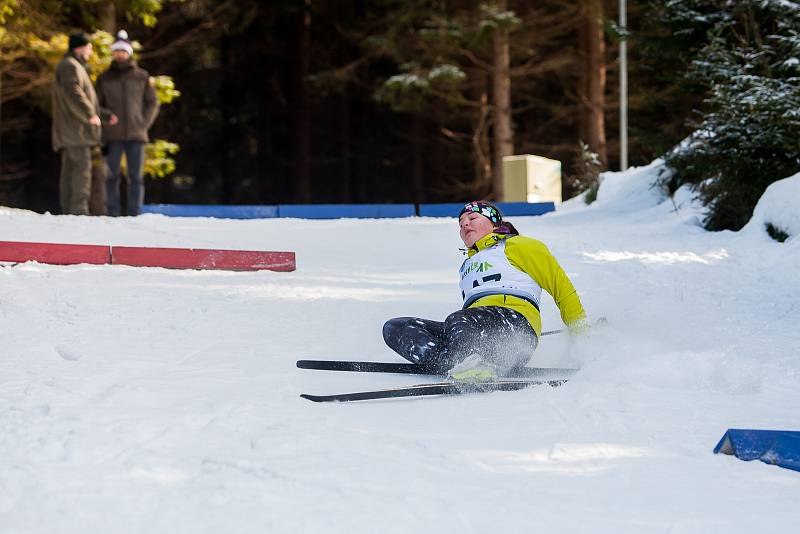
{"x":328,"y":101}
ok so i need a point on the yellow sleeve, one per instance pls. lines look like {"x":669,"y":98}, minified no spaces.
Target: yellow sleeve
{"x":534,"y":258}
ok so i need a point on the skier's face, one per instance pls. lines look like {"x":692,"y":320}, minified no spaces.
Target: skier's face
{"x":473,"y":226}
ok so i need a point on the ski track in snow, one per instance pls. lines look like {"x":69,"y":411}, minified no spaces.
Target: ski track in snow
{"x":149,"y":400}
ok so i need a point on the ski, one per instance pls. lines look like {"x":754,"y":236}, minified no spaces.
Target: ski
{"x":436,"y":388}
{"x":414,"y":369}
{"x":365,"y":367}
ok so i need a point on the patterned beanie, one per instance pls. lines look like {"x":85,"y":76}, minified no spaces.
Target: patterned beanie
{"x":483,"y":208}
{"x":122,"y":43}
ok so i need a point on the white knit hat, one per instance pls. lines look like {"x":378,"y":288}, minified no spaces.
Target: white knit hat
{"x":122,"y":43}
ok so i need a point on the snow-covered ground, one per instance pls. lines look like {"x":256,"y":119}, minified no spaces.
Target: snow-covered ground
{"x":148,"y":400}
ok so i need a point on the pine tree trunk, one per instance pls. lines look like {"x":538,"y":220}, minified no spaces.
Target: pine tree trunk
{"x":267,"y":191}
{"x":302,"y":113}
{"x":417,"y":177}
{"x":226,"y":132}
{"x":481,"y":148}
{"x":346,"y":145}
{"x":503,"y":139}
{"x":593,"y":129}
{"x":107,"y":16}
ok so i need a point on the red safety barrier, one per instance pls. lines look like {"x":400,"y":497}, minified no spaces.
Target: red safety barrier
{"x":54,"y":253}
{"x":188,"y":258}
{"x":170,"y":258}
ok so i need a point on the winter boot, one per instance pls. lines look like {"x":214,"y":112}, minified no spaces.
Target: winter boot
{"x":473,"y":369}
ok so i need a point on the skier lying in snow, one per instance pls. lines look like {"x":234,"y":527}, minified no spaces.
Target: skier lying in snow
{"x":499,"y":325}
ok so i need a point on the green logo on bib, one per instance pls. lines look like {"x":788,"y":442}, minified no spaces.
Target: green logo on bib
{"x":476,"y":267}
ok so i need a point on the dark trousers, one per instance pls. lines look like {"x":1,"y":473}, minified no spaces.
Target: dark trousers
{"x":501,"y":336}
{"x":75,"y":182}
{"x":134,"y":160}
{"x":97,"y":198}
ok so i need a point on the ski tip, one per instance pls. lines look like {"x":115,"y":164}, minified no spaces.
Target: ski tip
{"x":312,"y":398}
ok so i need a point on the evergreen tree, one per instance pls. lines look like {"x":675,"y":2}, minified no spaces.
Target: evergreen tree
{"x":664,"y":37}
{"x":748,"y":134}
{"x":451,"y":59}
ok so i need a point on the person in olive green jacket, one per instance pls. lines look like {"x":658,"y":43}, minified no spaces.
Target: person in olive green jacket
{"x":76,"y":125}
{"x":499,"y":326}
{"x":126,"y":90}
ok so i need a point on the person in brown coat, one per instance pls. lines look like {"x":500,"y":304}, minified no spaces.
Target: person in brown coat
{"x":126,"y":90}
{"x":76,"y":125}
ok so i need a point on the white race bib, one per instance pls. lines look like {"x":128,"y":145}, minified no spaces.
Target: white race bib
{"x":490,"y":273}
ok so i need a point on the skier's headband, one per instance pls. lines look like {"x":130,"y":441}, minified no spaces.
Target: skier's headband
{"x":483,"y":208}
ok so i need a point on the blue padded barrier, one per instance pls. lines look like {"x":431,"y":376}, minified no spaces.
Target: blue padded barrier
{"x":785,"y":452}
{"x":346,"y":211}
{"x":510,"y":209}
{"x":440,"y":210}
{"x":216,"y":211}
{"x":776,"y":447}
{"x":337,"y":211}
{"x":523,"y":209}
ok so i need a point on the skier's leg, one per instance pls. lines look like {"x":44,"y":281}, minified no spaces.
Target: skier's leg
{"x":417,"y":340}
{"x":498,"y":338}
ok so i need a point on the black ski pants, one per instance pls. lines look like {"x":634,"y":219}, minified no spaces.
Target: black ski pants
{"x":500,"y":336}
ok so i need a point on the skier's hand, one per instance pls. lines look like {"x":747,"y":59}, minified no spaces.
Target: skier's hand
{"x":579,"y":328}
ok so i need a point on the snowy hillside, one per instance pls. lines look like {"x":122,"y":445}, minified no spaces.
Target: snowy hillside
{"x":147,"y":400}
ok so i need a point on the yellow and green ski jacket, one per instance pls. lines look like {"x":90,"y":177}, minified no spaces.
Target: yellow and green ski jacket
{"x":511,"y":271}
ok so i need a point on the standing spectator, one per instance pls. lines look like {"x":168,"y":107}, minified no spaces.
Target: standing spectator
{"x":126,"y":90}
{"x":76,"y":125}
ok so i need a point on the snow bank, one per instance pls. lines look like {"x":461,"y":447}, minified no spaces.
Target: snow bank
{"x":632,"y":189}
{"x":636,"y":190}
{"x":778,"y":206}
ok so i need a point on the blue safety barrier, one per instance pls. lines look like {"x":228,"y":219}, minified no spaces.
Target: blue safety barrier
{"x":216,"y":211}
{"x":337,"y":211}
{"x":346,"y":211}
{"x":776,"y":447}
{"x":508,"y":209}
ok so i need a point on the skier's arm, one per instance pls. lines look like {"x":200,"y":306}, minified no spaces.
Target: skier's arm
{"x":534,"y":258}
